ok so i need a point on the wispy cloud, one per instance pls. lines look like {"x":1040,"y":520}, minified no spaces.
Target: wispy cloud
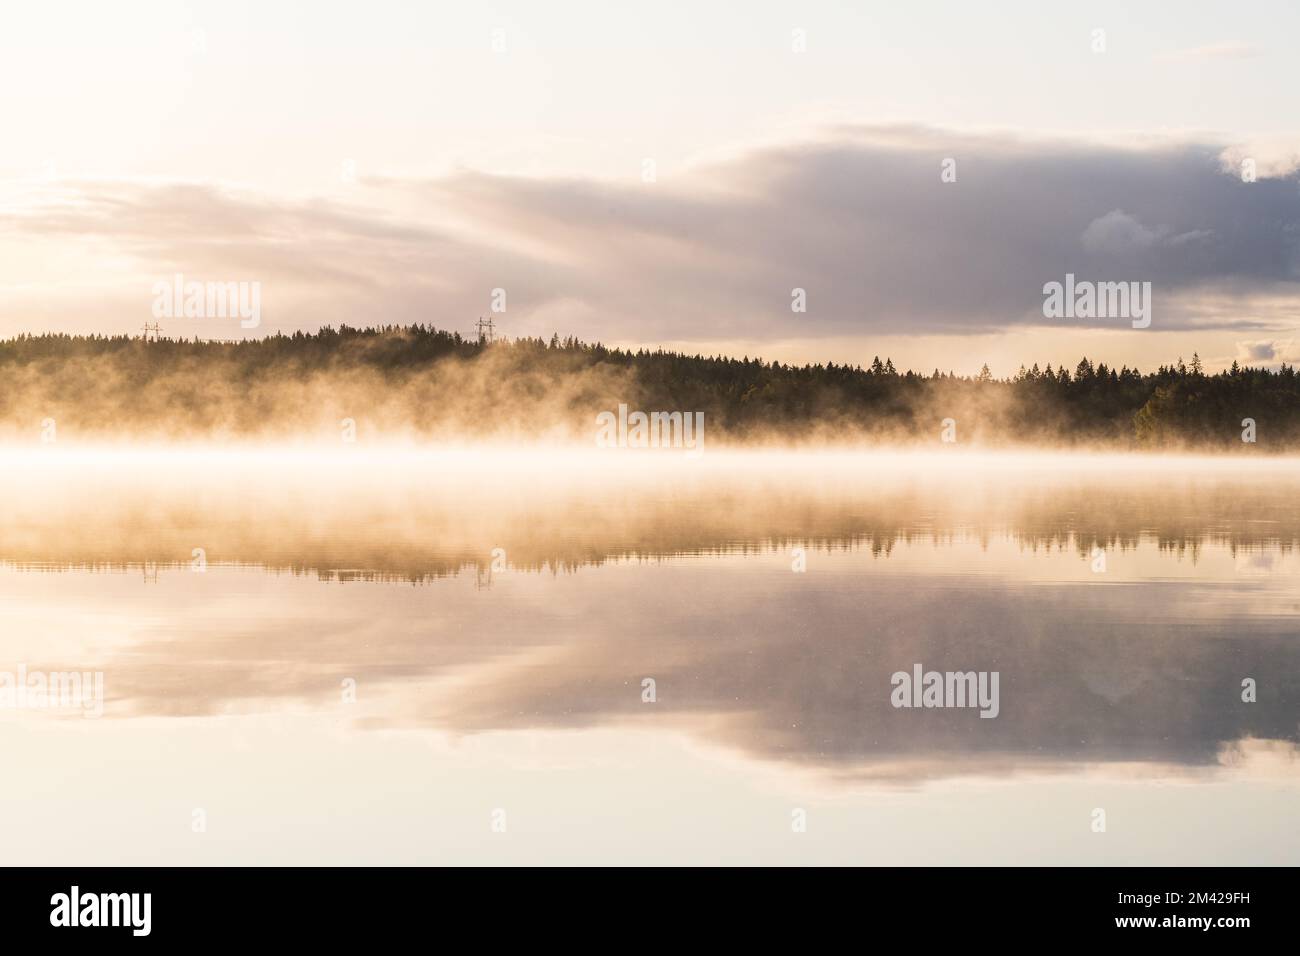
{"x":1212,"y":51}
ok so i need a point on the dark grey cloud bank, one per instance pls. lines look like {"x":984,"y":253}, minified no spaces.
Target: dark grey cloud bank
{"x":881,"y":244}
{"x":860,"y":219}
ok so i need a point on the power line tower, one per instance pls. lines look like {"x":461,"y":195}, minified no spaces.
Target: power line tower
{"x":154,"y":330}
{"x":487,"y":332}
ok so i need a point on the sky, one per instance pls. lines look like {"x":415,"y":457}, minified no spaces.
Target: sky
{"x":666,"y":174}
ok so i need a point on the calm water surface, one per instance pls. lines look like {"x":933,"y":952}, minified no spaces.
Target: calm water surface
{"x":498,"y":612}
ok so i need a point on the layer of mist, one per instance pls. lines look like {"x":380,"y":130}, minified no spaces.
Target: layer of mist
{"x":416,"y":515}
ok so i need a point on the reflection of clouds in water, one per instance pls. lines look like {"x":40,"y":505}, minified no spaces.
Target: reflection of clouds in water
{"x":772,"y":664}
{"x":1273,"y":758}
{"x":802,"y":675}
{"x":1114,"y":683}
{"x":1257,"y":562}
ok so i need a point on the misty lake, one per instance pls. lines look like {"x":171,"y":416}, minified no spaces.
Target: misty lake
{"x":483,"y":656}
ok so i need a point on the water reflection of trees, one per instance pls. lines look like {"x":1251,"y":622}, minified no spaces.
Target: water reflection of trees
{"x":426,"y":539}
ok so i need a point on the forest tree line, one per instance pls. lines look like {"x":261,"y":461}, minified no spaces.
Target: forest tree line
{"x":425,"y":382}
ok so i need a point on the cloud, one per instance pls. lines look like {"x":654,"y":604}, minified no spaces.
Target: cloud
{"x":1266,"y":158}
{"x":1118,"y":232}
{"x":1212,"y":51}
{"x":859,"y":219}
{"x":1266,"y":351}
